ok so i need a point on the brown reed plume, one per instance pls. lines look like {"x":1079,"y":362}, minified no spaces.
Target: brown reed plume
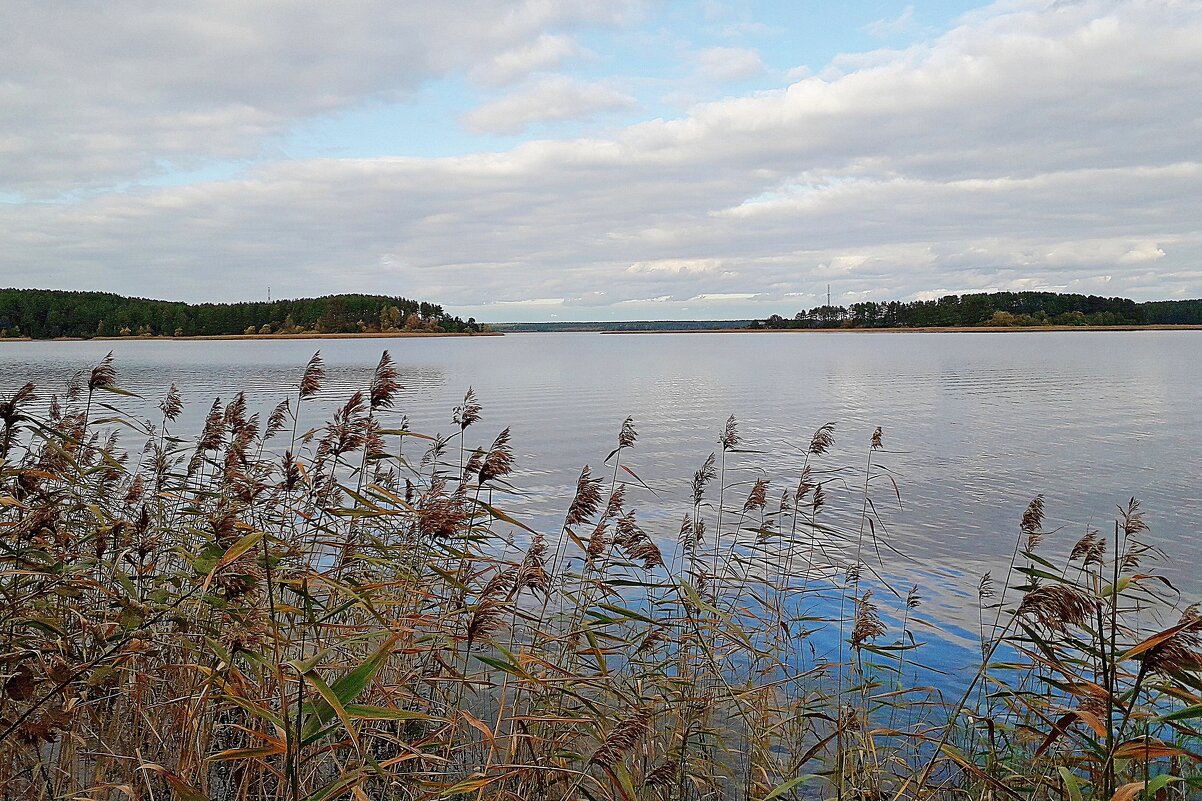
{"x":867,"y":624}
{"x":468,"y":413}
{"x":730,"y":435}
{"x":312,"y":378}
{"x":627,"y":434}
{"x":1056,"y":606}
{"x":703,"y":477}
{"x":498,"y":462}
{"x":1032,"y":523}
{"x":587,"y":499}
{"x":384,"y":384}
{"x":822,"y":440}
{"x":103,"y":375}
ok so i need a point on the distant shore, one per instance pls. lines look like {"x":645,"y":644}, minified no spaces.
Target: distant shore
{"x":982,"y":329}
{"x":956,"y":329}
{"x":306,"y":335}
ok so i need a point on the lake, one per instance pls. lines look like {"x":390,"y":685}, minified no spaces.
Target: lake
{"x":975,"y":424}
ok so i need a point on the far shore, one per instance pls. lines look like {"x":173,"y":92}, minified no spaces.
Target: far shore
{"x":306,"y":335}
{"x":982,"y":329}
{"x":956,"y":329}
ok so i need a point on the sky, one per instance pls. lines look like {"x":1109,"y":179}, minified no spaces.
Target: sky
{"x":522,"y":160}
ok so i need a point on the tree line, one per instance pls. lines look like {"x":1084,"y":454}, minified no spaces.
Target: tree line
{"x":1009,"y":309}
{"x":44,"y":313}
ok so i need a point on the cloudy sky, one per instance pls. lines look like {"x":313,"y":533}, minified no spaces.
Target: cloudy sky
{"x":572,"y":159}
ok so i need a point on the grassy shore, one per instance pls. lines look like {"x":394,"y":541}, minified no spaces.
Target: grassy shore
{"x":269,"y":608}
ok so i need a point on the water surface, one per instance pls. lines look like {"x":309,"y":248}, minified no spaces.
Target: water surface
{"x":975,"y":424}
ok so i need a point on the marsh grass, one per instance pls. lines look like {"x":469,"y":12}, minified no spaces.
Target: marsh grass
{"x":268,"y":610}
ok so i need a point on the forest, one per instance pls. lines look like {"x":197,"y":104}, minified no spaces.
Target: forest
{"x":44,"y":314}
{"x":1008,"y":309}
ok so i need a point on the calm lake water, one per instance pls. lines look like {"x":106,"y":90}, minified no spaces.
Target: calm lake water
{"x":975,"y":424}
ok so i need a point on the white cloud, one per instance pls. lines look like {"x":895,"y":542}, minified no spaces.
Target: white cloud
{"x":553,"y":99}
{"x":726,"y":64}
{"x":646,"y":301}
{"x":888,"y":28}
{"x":94,"y":94}
{"x":724,"y":297}
{"x":530,"y":302}
{"x":675,"y":266}
{"x":545,"y":52}
{"x":1144,"y":251}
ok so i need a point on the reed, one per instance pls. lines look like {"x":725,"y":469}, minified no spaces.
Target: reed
{"x":284,"y":611}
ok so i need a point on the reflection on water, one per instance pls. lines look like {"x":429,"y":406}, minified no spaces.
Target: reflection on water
{"x":975,"y":424}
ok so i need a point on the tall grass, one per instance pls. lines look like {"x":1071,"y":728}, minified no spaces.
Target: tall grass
{"x":267,"y":610}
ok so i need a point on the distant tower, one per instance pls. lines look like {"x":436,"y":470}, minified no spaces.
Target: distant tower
{"x":828,"y":295}
{"x":269,"y":294}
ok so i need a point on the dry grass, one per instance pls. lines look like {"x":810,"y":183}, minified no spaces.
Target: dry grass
{"x":269,"y":611}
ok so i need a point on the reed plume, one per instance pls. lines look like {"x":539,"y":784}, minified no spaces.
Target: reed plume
{"x":384,"y":384}
{"x":1057,"y":606}
{"x":498,"y":462}
{"x":867,"y":624}
{"x":467,"y":413}
{"x":703,"y":477}
{"x":103,"y":375}
{"x":822,"y":440}
{"x":1032,"y":523}
{"x":172,"y":404}
{"x":313,"y":377}
{"x":587,"y":499}
{"x":730,"y":435}
{"x":627,"y":435}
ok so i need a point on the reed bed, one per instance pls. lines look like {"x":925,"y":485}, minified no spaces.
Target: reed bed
{"x":268,"y":610}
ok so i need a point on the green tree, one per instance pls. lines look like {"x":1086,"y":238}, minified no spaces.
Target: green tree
{"x":390,"y":318}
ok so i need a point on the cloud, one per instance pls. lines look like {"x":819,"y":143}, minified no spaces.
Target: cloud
{"x":1035,"y":145}
{"x":728,"y":64}
{"x":553,"y":99}
{"x":1144,"y":251}
{"x":95,"y":94}
{"x":722,"y":297}
{"x":545,"y":52}
{"x":889,"y":28}
{"x":675,"y":266}
{"x":531,"y":302}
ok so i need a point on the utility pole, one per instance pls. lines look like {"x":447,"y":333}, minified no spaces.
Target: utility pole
{"x":269,"y":294}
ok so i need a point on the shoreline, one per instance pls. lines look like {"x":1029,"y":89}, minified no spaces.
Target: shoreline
{"x":232,"y":337}
{"x":983,"y":329}
{"x":946,"y":329}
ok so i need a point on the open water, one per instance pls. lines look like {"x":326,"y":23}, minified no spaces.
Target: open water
{"x":975,"y":424}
